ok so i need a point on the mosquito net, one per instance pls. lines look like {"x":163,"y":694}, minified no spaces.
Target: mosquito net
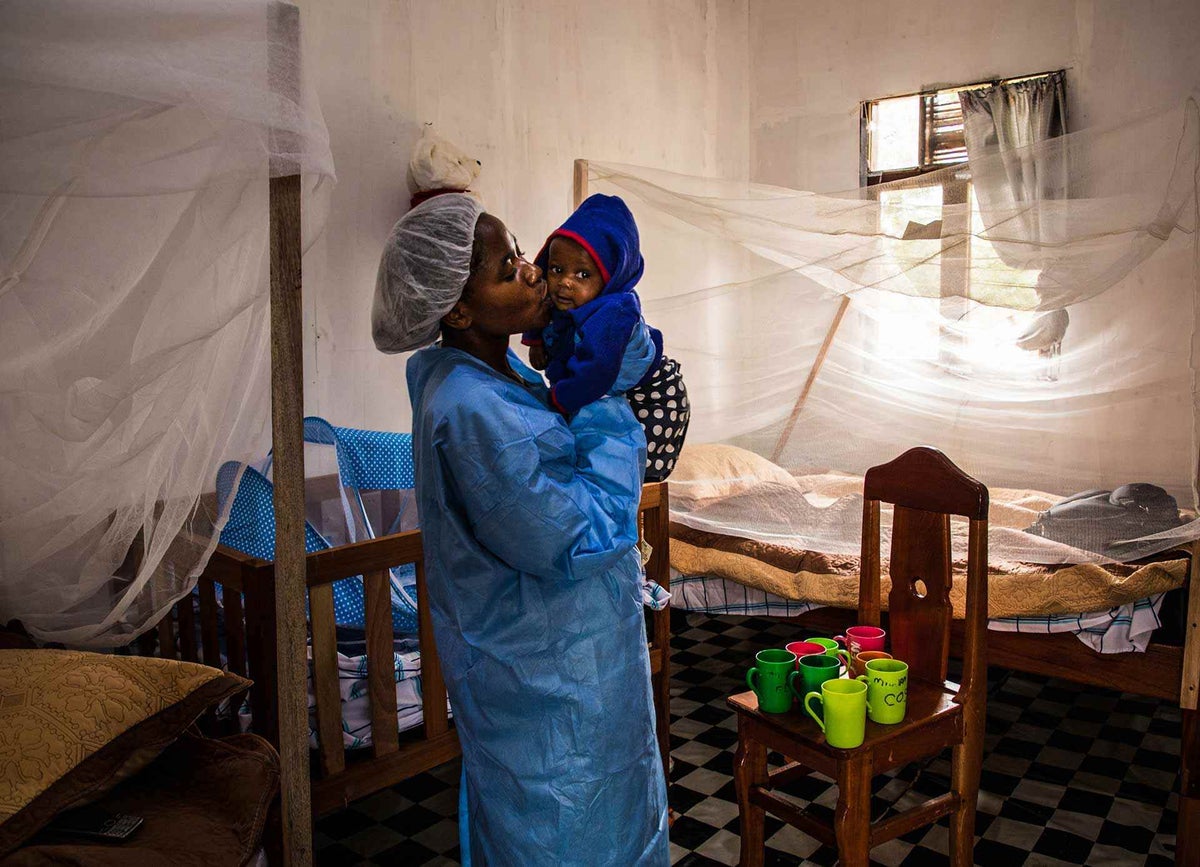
{"x":136,"y":145}
{"x":1045,"y":343}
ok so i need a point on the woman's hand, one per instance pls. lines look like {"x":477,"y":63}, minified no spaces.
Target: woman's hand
{"x":537,"y":356}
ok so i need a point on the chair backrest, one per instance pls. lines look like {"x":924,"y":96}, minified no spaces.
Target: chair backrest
{"x":926,"y":488}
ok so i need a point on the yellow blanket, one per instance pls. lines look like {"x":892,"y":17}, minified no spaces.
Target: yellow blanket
{"x":1013,"y":588}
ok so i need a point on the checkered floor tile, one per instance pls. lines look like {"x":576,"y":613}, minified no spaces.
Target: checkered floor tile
{"x":1071,"y":775}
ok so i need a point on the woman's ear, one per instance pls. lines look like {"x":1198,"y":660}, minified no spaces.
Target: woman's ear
{"x":459,"y":318}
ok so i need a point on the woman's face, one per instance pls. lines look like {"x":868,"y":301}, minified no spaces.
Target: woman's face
{"x":505,"y":293}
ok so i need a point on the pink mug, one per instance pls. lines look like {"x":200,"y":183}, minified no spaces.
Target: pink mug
{"x":860,"y":638}
{"x":804,"y":648}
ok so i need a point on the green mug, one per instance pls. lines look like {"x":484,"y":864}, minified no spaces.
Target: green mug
{"x":845,"y":709}
{"x":887,"y":690}
{"x":771,"y":673}
{"x":832,"y":648}
{"x":812,"y":671}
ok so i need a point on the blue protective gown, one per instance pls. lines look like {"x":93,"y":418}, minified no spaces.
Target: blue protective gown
{"x":534,"y":583}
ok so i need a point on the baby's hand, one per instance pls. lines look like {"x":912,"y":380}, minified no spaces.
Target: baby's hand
{"x":537,"y":356}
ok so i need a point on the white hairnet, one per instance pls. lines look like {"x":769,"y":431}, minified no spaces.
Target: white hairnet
{"x":422,"y":272}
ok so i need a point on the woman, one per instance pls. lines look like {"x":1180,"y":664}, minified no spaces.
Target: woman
{"x":534,"y":581}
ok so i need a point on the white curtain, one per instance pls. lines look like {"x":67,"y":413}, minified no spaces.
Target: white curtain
{"x":1008,"y":121}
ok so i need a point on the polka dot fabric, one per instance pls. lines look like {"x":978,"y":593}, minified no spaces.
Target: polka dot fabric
{"x":367,"y":460}
{"x":251,"y":525}
{"x":662,"y":408}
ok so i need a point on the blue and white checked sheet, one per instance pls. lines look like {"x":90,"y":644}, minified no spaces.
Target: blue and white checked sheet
{"x":1115,"y":630}
{"x":356,"y":704}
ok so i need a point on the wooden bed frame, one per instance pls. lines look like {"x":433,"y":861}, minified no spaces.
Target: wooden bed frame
{"x":340,"y":776}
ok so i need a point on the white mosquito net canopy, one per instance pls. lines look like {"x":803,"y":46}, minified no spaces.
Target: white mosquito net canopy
{"x":1031,"y":313}
{"x":137,"y":139}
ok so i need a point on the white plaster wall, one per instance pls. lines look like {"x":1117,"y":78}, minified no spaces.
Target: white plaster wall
{"x":524,"y":85}
{"x":811,"y":65}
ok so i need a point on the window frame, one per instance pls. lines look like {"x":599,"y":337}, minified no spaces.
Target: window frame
{"x":868,"y":178}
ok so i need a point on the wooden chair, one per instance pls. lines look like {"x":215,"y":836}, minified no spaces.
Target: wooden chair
{"x":926,"y":488}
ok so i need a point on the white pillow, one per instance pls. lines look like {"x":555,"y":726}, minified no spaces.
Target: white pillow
{"x":711,"y":470}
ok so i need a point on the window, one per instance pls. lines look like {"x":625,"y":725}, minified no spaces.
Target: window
{"x":911,"y":135}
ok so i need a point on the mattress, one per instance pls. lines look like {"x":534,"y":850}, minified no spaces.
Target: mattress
{"x":1014,"y":589}
{"x":796,"y":534}
{"x":748,"y":537}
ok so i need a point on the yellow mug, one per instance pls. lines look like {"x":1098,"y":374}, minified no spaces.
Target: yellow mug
{"x":887,"y":690}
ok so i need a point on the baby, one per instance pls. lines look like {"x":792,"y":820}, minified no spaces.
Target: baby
{"x":597,"y":342}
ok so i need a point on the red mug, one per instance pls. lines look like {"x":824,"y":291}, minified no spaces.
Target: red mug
{"x":804,"y":648}
{"x":860,"y":638}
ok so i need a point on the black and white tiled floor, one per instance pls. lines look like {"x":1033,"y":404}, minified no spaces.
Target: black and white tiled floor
{"x":1070,"y":776}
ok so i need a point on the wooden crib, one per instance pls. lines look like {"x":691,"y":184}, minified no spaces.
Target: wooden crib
{"x":340,"y":776}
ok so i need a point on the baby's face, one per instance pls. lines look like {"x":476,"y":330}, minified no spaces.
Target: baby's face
{"x":571,"y":276}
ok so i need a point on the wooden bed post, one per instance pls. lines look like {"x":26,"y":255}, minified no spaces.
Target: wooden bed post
{"x":659,"y":570}
{"x":287,"y":397}
{"x":579,"y":188}
{"x":1187,"y":846}
{"x":1189,"y":688}
{"x":868,"y":577}
{"x":287,"y":439}
{"x":812,"y":377}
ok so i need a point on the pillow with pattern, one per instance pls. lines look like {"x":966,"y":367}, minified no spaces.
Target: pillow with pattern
{"x":74,"y":724}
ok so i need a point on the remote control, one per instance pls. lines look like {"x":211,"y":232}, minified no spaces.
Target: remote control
{"x":96,"y":823}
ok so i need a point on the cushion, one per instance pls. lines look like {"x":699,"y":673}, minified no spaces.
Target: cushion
{"x":204,"y":802}
{"x":712,"y":470}
{"x":73,"y":724}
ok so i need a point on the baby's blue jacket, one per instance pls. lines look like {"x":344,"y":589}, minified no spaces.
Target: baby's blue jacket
{"x":604,"y":346}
